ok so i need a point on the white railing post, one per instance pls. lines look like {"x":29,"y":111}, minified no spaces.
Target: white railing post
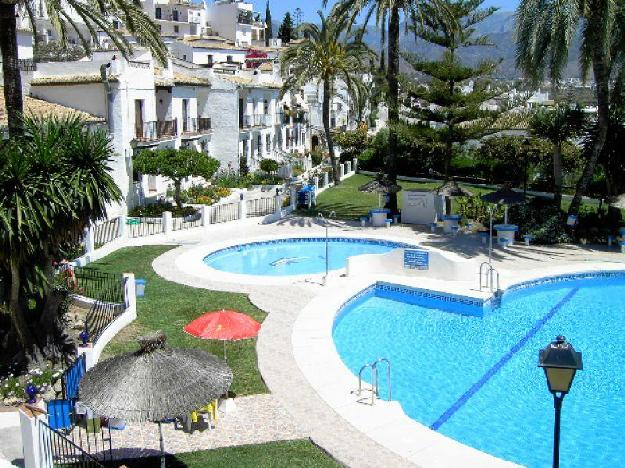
{"x":36,"y":453}
{"x":326,"y":179}
{"x":242,"y":208}
{"x":293,"y":198}
{"x":168,"y":222}
{"x":348,"y":167}
{"x":316,"y":183}
{"x":278,"y":206}
{"x":121,"y":228}
{"x":206,"y":215}
{"x":341,"y":171}
{"x":130,"y":295}
{"x":89,"y":242}
{"x":355,"y":164}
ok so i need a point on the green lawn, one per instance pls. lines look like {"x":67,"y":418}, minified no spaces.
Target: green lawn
{"x":295,"y":453}
{"x":349,"y":203}
{"x":169,"y":306}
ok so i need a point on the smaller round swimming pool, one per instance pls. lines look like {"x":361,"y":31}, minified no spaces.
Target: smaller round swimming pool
{"x":295,"y":256}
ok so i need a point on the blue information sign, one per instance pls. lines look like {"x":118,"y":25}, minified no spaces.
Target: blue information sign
{"x":416,"y":259}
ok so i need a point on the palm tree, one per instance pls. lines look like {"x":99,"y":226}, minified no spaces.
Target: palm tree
{"x":96,"y":15}
{"x":558,"y":126}
{"x":54,"y":181}
{"x":545,"y":31}
{"x":387,"y":14}
{"x":327,"y":54}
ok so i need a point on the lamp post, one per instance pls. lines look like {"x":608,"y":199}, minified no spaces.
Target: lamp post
{"x":560,"y":362}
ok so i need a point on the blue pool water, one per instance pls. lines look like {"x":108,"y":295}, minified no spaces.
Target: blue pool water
{"x":301,"y":256}
{"x":475,"y":378}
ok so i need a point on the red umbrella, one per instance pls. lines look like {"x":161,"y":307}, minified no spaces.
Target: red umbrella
{"x":224,"y":325}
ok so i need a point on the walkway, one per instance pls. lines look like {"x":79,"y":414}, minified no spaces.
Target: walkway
{"x":257,"y":419}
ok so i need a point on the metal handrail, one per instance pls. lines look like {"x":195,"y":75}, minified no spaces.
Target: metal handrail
{"x":375,"y":381}
{"x":491,"y":273}
{"x":388,"y":377}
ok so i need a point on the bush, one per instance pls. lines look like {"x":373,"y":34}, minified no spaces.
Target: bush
{"x":477,"y":209}
{"x":269,"y":165}
{"x":316,"y":157}
{"x":156,"y":210}
{"x":542,"y":219}
{"x":208,"y":195}
{"x":229,"y":179}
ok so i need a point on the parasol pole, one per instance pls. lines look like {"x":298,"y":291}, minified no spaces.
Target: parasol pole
{"x":225,"y":359}
{"x":162,"y":443}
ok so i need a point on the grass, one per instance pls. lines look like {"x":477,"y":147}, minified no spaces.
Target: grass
{"x":168,"y":306}
{"x":349,"y":203}
{"x":284,"y":454}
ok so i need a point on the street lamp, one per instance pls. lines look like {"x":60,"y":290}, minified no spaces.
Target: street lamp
{"x":560,"y":362}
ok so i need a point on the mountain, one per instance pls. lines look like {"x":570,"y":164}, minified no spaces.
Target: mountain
{"x":499,"y":27}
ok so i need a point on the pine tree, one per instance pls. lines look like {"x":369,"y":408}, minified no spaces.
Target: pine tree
{"x":286,"y":29}
{"x":452,"y":101}
{"x":268,"y":25}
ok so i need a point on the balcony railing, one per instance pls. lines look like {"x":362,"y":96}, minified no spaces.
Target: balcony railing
{"x":155,"y":130}
{"x":166,"y":128}
{"x":245,"y":17}
{"x":204,"y":124}
{"x":262,"y":120}
{"x":189,"y":125}
{"x":245,"y":121}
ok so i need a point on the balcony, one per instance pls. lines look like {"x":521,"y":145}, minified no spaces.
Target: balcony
{"x":204,"y":124}
{"x":245,"y":121}
{"x":245,"y":17}
{"x":262,"y":120}
{"x":153,"y":131}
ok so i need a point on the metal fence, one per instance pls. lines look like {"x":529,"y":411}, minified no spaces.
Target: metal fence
{"x":187,"y":222}
{"x":98,"y":285}
{"x":100,"y":316}
{"x":106,"y":232}
{"x":140,"y":227}
{"x":61,"y":450}
{"x":260,"y":207}
{"x":224,"y":213}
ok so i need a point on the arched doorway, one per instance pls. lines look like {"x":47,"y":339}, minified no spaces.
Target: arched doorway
{"x":314,"y":142}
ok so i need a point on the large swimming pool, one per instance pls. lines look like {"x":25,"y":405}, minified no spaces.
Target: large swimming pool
{"x":473,"y":376}
{"x":295,"y":256}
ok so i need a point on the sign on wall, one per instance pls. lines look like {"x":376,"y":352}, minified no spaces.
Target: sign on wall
{"x":415,"y":259}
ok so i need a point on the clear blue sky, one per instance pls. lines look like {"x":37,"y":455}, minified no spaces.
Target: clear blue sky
{"x":309,"y":7}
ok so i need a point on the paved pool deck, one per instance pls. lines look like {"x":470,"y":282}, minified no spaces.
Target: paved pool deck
{"x":311,"y":390}
{"x":299,"y":364}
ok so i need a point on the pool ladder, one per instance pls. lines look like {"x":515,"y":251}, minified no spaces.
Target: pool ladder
{"x":375,"y":382}
{"x":490,"y":275}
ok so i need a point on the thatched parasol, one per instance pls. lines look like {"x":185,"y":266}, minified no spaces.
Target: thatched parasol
{"x":504,"y":196}
{"x":154,"y":383}
{"x":452,"y":189}
{"x":380,"y":185}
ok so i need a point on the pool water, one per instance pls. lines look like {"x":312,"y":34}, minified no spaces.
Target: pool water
{"x":476,"y":379}
{"x":299,"y":256}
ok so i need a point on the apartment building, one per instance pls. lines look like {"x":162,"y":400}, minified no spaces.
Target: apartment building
{"x":145,"y":107}
{"x":236,"y":20}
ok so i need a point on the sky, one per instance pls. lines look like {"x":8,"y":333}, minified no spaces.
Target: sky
{"x":309,"y":7}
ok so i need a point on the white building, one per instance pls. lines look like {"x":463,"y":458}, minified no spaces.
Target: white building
{"x":144,"y":107}
{"x":236,"y":20}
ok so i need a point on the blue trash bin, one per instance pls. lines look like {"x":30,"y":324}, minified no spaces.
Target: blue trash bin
{"x":140,"y":287}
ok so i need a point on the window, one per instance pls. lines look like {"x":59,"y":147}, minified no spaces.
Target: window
{"x":184,"y":57}
{"x":174,"y":15}
{"x":158,"y":13}
{"x":229,"y":59}
{"x":259,"y":144}
{"x":209,"y":61}
{"x":176,"y":28}
{"x":265,"y":106}
{"x":268,"y":143}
